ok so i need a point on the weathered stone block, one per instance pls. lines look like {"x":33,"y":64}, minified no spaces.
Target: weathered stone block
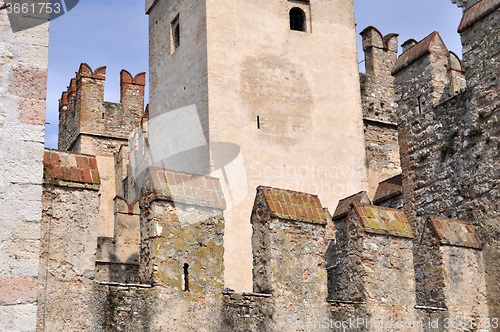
{"x":18,"y":290}
{"x":28,"y":83}
{"x":18,"y":317}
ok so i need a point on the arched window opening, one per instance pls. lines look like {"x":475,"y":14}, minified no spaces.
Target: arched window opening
{"x":297,"y":19}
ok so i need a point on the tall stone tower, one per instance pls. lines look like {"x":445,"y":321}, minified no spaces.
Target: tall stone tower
{"x":278,"y":79}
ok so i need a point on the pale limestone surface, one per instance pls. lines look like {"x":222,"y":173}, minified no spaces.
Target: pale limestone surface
{"x":238,"y":60}
{"x":67,"y":263}
{"x":463,"y":269}
{"x":23,"y":78}
{"x":107,"y":174}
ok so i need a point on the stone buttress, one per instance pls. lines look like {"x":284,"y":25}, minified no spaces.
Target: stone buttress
{"x":182,"y":249}
{"x":289,"y":276}
{"x":370,"y":276}
{"x":69,"y":242}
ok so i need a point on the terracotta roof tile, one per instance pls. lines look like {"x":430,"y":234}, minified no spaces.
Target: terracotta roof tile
{"x":454,"y":232}
{"x":383,"y":220}
{"x":388,"y":189}
{"x":70,"y":167}
{"x":477,"y":12}
{"x":345,"y":204}
{"x":293,"y":205}
{"x":187,"y":188}
{"x":430,"y":44}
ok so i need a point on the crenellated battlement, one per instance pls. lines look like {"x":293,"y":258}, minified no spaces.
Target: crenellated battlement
{"x":132,"y":89}
{"x":380,"y":52}
{"x":89,"y":124}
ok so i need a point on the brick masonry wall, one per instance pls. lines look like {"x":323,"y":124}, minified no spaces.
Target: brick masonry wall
{"x":450,"y":277}
{"x":118,"y":256}
{"x":418,"y":90}
{"x":377,"y":97}
{"x":163,"y":236}
{"x":122,"y":308}
{"x":24,"y":59}
{"x":182,"y":249}
{"x":131,"y":308}
{"x":429,"y":272}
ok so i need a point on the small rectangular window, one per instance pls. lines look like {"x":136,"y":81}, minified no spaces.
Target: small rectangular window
{"x":175,"y":34}
{"x":185,"y":277}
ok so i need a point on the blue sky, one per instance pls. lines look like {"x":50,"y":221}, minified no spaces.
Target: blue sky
{"x":114,"y":33}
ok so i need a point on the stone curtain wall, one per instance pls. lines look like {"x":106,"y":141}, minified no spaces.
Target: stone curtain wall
{"x":449,"y":149}
{"x":118,"y":256}
{"x":24,"y":58}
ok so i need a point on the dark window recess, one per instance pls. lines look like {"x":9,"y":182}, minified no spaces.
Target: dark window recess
{"x":177,"y":35}
{"x":186,"y":276}
{"x":258,"y":122}
{"x":297,"y":19}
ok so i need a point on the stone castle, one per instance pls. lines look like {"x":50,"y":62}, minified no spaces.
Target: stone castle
{"x":205,"y":210}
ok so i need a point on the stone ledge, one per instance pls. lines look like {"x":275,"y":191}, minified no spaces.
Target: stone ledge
{"x":182,"y":187}
{"x":477,"y":12}
{"x":292,"y":205}
{"x":64,"y":168}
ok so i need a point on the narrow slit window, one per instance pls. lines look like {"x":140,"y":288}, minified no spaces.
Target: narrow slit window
{"x":297,"y":19}
{"x":258,"y":122}
{"x":185,"y":277}
{"x":177,"y":35}
{"x":175,"y":27}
